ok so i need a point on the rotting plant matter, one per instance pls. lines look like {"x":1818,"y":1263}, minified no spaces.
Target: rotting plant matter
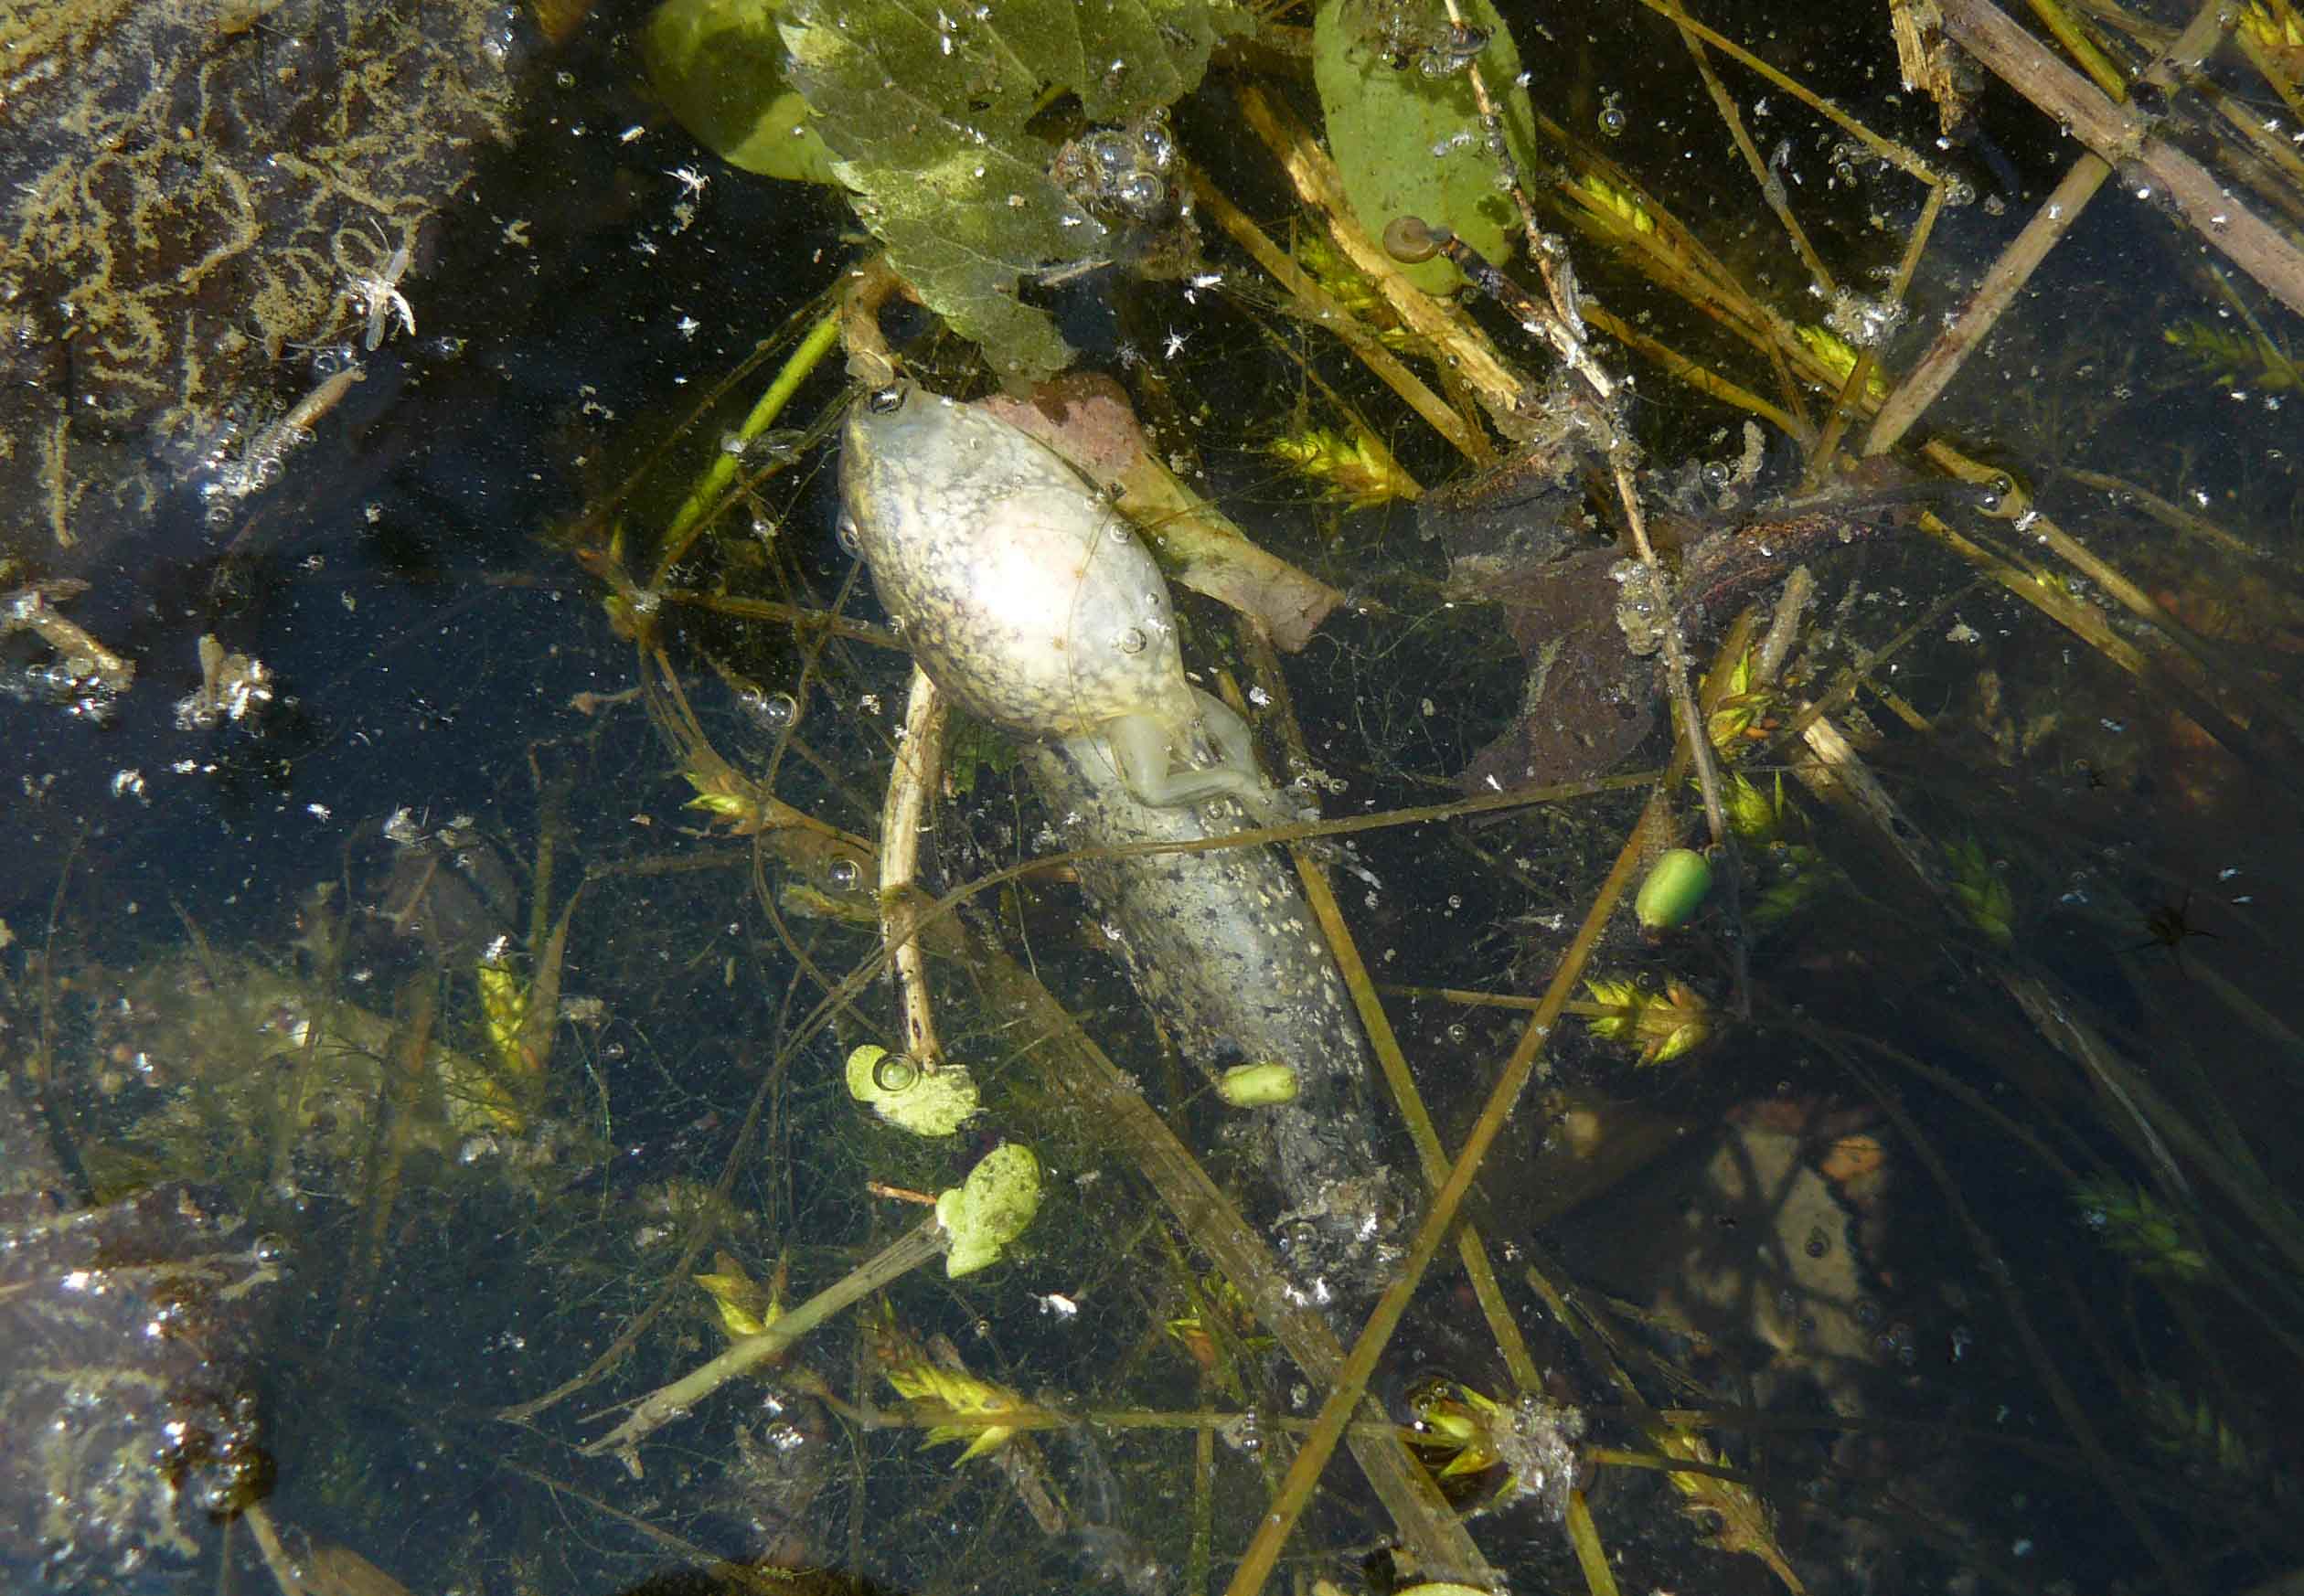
{"x":183,"y":222}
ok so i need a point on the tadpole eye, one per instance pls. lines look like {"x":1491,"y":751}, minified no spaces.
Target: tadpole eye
{"x":886,"y":402}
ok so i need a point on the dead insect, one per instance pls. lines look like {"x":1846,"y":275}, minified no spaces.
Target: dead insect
{"x":2170,"y":925}
{"x":378,"y":293}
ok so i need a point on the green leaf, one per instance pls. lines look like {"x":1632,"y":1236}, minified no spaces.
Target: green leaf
{"x":910,"y":1098}
{"x":1408,"y":142}
{"x":718,"y":65}
{"x":990,"y":1208}
{"x":927,"y":109}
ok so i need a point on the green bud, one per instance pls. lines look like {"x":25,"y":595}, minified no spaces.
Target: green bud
{"x":1257,"y":1085}
{"x":1673,"y":892}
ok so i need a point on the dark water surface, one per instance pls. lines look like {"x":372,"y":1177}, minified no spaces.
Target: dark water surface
{"x":1973,"y":1251}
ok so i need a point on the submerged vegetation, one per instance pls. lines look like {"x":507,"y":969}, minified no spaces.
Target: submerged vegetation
{"x":1782,"y":720}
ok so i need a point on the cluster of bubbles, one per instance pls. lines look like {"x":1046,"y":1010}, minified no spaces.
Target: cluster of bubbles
{"x":1123,"y":171}
{"x":1641,"y":612}
{"x":80,"y":694}
{"x":1452,"y":53}
{"x":1864,"y":322}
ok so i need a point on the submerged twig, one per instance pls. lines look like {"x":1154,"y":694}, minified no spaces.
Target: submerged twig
{"x":33,"y":609}
{"x":1350,"y":1380}
{"x":1471,"y":1247}
{"x":1452,"y":335}
{"x":711,"y":489}
{"x":1072,"y":1065}
{"x":2123,"y":136}
{"x":1324,"y":311}
{"x":919,"y":756}
{"x":917,"y":1246}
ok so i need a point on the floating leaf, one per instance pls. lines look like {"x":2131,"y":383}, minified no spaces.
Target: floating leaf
{"x":1464,"y":1423}
{"x":1796,"y":875}
{"x":927,"y":112}
{"x":2189,"y":1427}
{"x":1356,"y":468}
{"x":2139,"y":1227}
{"x":991,"y":1209}
{"x":1758,"y":815}
{"x":1838,"y":356}
{"x":1402,"y":125}
{"x":719,"y":66}
{"x":1216,"y":1298}
{"x":1611,"y":206}
{"x":2231,"y":356}
{"x":504,"y":1006}
{"x":1742,"y":709}
{"x":908,"y":1097}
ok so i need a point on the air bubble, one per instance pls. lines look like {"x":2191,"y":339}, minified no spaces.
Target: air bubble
{"x":1109,"y":153}
{"x":1613,"y":121}
{"x":1458,"y":51}
{"x":1141,"y":193}
{"x":777,"y":710}
{"x":1159,"y":145}
{"x":1133,"y":641}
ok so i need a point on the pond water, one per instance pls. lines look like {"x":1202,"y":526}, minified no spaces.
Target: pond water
{"x":453,"y":738}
